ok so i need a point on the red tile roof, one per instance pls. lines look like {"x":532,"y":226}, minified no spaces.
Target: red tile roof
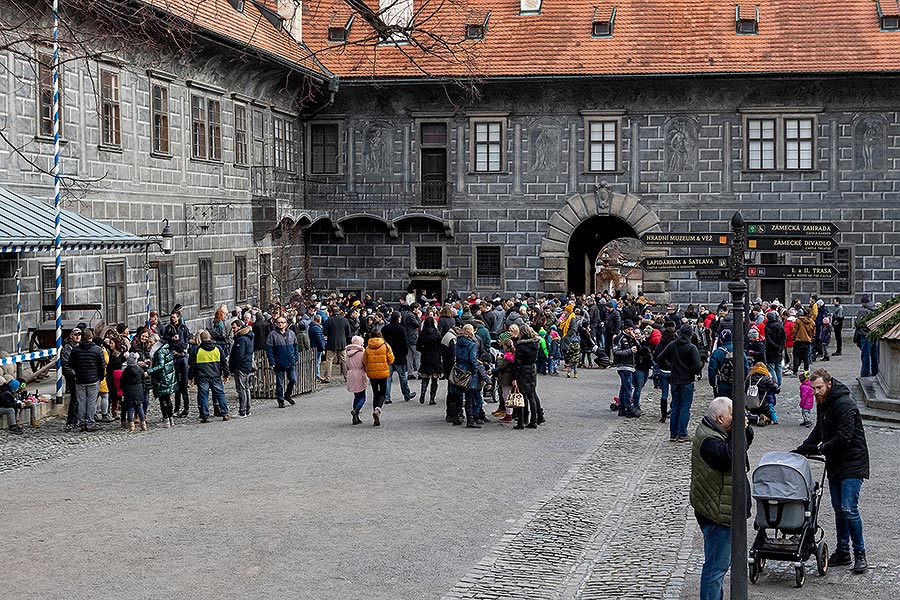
{"x":243,"y":29}
{"x":650,"y":37}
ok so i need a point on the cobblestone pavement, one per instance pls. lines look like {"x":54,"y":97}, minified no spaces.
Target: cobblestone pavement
{"x":301,"y":504}
{"x":618,"y":524}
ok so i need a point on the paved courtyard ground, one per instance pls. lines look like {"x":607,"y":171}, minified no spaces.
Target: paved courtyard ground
{"x":297,"y":503}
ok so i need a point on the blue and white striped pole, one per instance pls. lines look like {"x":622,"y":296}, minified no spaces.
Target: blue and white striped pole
{"x":57,"y":246}
{"x":19,"y":320}
{"x":147,"y":277}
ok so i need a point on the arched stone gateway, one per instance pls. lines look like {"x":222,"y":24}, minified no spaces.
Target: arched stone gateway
{"x":605,"y":216}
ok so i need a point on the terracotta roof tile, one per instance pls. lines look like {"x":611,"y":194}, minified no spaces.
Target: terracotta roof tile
{"x":650,"y":37}
{"x":248,"y":28}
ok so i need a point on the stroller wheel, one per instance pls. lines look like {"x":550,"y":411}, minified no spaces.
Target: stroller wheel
{"x":754,"y":572}
{"x":822,"y":558}
{"x":800,"y":575}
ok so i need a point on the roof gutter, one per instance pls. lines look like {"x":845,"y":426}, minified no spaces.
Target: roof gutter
{"x":555,"y":78}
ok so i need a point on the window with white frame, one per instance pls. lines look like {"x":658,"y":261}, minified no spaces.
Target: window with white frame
{"x":110,"y":109}
{"x":165,"y":284}
{"x":45,"y":96}
{"x":783,"y":143}
{"x":488,"y":144}
{"x":798,"y":144}
{"x":206,"y":128}
{"x":760,"y":144}
{"x":160,"y":117}
{"x":48,"y":288}
{"x":115,"y":287}
{"x":284,"y":145}
{"x":603,"y":146}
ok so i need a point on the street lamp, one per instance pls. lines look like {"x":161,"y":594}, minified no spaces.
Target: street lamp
{"x":166,"y":243}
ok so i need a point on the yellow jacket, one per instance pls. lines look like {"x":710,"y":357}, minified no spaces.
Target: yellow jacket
{"x":378,"y":359}
{"x":104,"y":388}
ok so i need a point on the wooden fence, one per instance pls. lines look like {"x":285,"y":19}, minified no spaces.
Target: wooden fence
{"x":263,"y":381}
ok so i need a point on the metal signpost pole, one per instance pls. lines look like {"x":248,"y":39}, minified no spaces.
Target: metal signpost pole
{"x":738,"y":288}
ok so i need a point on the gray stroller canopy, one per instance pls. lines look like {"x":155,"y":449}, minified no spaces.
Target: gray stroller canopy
{"x":783,"y":476}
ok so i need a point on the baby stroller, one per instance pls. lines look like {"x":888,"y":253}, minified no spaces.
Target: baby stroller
{"x":787,"y":502}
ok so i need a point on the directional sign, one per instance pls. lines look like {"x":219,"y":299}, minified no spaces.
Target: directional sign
{"x":684,"y":263}
{"x":792,"y":229}
{"x":717,"y":275}
{"x":686,"y":239}
{"x":792,"y":271}
{"x":798,"y":244}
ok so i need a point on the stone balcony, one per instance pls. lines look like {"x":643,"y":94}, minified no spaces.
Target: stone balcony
{"x":279,"y":197}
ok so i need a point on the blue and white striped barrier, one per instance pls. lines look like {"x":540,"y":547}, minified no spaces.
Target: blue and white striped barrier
{"x":18,"y":358}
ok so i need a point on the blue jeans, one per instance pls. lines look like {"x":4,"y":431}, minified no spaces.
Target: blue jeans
{"x":639,"y":380}
{"x":775,"y":371}
{"x":319,"y":363}
{"x":218,"y":392}
{"x":280,"y":392}
{"x":400,"y":370}
{"x":716,"y":560}
{"x":847,"y":522}
{"x":359,"y":400}
{"x":682,"y":397}
{"x":664,"y":379}
{"x":868,"y":357}
{"x":626,"y":390}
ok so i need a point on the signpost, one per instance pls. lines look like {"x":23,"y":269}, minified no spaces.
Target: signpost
{"x":796,"y":244}
{"x":792,"y":271}
{"x":684,"y":263}
{"x":791,"y":229}
{"x":716,"y":275}
{"x":709,"y":240}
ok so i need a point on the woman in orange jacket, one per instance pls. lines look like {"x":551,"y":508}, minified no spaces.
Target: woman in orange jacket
{"x":377,"y":360}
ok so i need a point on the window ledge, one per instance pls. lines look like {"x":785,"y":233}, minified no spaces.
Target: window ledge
{"x":163,"y":155}
{"x":616,"y":172}
{"x":49,"y":139}
{"x":209,"y":161}
{"x":779,"y":171}
{"x":240,"y":166}
{"x":489,"y":173}
{"x":107,"y":148}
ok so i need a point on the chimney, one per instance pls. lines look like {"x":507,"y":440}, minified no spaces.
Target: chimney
{"x":292,"y":13}
{"x":530,"y":7}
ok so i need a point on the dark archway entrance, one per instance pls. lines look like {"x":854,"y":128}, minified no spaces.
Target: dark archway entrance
{"x":585,"y":244}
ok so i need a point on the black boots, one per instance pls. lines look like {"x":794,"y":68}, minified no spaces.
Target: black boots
{"x":840,"y":558}
{"x":471,"y":422}
{"x":356,"y":419}
{"x":424,"y":389}
{"x":434,"y":383}
{"x":859,"y":563}
{"x":540,"y":419}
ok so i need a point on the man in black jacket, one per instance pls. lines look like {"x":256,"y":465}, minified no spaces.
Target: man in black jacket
{"x":178,"y":337}
{"x":840,"y":437}
{"x":776,"y":338}
{"x":685,"y":364}
{"x":337,"y":338}
{"x":395,"y":336}
{"x":87,"y":361}
{"x":412,"y":320}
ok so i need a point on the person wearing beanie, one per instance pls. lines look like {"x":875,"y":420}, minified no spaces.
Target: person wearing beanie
{"x":208,"y":366}
{"x":357,"y":380}
{"x":756,"y":348}
{"x":804,"y":334}
{"x":133,"y":392}
{"x":240,"y":363}
{"x":625,"y":349}
{"x":720,"y":369}
{"x":685,"y":364}
{"x":775,"y":340}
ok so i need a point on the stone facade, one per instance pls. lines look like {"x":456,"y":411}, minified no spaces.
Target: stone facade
{"x":208,"y":203}
{"x":682,"y":165}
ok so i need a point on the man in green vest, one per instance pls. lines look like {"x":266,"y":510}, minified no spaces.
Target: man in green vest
{"x":711,"y":492}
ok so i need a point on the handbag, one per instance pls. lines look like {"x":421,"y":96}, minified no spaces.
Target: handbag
{"x":515,"y":399}
{"x":460,"y":378}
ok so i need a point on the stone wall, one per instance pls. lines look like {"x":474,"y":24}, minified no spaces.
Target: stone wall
{"x":695,"y":187}
{"x":207,"y":202}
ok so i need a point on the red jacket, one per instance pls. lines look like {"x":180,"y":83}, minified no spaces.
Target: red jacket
{"x":789,"y":330}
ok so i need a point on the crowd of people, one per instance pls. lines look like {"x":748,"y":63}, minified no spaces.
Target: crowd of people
{"x":499,"y":347}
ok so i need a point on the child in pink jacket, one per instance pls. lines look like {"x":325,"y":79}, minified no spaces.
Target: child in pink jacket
{"x":806,"y":397}
{"x":357,"y":380}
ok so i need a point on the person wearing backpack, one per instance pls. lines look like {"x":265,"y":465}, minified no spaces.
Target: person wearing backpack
{"x":760,"y":390}
{"x":720,"y":371}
